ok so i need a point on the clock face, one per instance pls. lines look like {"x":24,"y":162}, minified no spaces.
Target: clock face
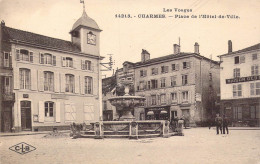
{"x":91,"y":39}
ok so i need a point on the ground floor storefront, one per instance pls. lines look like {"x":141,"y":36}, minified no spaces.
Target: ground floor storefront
{"x":242,"y":112}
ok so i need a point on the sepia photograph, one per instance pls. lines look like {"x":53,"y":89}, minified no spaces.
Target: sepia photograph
{"x":130,"y":81}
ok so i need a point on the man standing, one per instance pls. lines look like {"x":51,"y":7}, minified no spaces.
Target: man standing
{"x":225,"y":124}
{"x":218,"y":121}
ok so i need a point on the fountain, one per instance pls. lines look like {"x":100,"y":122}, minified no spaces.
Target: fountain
{"x":125,"y":104}
{"x":126,"y":126}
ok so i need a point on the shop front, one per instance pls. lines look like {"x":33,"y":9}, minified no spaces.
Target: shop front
{"x":157,"y":113}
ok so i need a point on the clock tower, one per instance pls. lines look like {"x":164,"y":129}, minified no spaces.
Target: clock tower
{"x":85,"y":34}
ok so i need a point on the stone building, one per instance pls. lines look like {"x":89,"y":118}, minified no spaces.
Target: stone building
{"x":49,"y":83}
{"x":174,"y":85}
{"x":240,"y":85}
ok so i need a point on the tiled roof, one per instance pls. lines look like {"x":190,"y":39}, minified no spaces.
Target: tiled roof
{"x":36,"y":39}
{"x":251,"y":48}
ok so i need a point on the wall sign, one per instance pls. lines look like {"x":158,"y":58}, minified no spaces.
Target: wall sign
{"x":25,"y":96}
{"x":242,"y":79}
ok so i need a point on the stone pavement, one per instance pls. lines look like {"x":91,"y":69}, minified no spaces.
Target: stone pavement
{"x":198,"y":146}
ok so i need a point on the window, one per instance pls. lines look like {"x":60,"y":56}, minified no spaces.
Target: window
{"x":237,"y":90}
{"x":236,"y":72}
{"x":185,"y":96}
{"x":47,"y":59}
{"x":236,"y":60}
{"x":7,"y":85}
{"x":141,"y":85}
{"x":105,"y":105}
{"x":88,"y":85}
{"x":237,"y":113}
{"x":24,"y":55}
{"x":175,"y":67}
{"x":254,"y":70}
{"x":69,"y":83}
{"x":154,"y":71}
{"x":163,"y":82}
{"x":48,"y":81}
{"x":25,"y":78}
{"x":164,"y":69}
{"x":67,"y":62}
{"x":184,"y":79}
{"x":254,"y":111}
{"x":86,"y":65}
{"x":254,"y":56}
{"x":153,"y":99}
{"x":186,"y":65}
{"x":173,"y":81}
{"x":154,"y":84}
{"x":48,"y":106}
{"x":174,"y":97}
{"x":6,"y":59}
{"x":239,"y":60}
{"x":163,"y":99}
{"x":143,"y":73}
{"x":149,"y":85}
{"x":210,"y":76}
{"x":255,"y":88}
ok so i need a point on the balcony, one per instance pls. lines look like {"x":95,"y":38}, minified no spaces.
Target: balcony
{"x":8,"y":97}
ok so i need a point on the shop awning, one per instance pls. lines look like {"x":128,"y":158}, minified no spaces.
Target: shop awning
{"x":150,"y":113}
{"x":164,"y":112}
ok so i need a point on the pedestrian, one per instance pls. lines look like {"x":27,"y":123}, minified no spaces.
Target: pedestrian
{"x":184,"y":121}
{"x":218,"y":121}
{"x":225,"y":124}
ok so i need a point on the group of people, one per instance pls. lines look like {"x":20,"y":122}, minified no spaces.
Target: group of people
{"x":221,"y":124}
{"x":174,"y":122}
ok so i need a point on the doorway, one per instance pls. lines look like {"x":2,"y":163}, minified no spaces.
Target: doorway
{"x":26,"y":120}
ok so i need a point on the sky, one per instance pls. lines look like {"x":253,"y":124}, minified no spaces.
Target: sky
{"x":126,"y":37}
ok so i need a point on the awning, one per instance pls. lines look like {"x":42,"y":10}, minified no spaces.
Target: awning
{"x":150,"y":113}
{"x":164,"y":112}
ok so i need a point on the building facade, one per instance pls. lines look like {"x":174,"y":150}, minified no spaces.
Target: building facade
{"x":49,"y":83}
{"x":176,"y":85}
{"x":240,"y":85}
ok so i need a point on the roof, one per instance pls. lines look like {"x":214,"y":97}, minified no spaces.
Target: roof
{"x":172,"y":56}
{"x":108,"y":84}
{"x":86,"y":21}
{"x":251,"y":48}
{"x":36,"y":39}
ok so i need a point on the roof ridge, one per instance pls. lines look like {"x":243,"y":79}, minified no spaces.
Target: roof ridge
{"x":41,"y":35}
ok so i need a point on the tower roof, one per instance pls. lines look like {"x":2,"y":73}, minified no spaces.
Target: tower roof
{"x":86,"y":21}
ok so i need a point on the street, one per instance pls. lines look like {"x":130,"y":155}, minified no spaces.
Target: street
{"x":198,"y":146}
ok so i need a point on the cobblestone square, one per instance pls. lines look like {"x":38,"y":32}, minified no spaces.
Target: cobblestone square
{"x":199,"y":145}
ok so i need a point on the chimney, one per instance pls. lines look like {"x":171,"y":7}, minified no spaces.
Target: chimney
{"x":229,"y":46}
{"x":196,"y":48}
{"x":176,"y":48}
{"x":145,"y":55}
{"x":2,"y":23}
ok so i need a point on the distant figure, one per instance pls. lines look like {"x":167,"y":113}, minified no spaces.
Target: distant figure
{"x":218,"y":121}
{"x":184,"y":121}
{"x":225,"y":124}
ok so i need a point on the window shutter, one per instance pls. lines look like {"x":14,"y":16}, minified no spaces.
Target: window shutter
{"x":77,"y":84}
{"x":252,"y":88}
{"x":16,"y":78}
{"x":40,"y":80}
{"x":177,"y":67}
{"x":234,"y":72}
{"x":73,"y":112}
{"x":57,"y":82}
{"x":63,"y":61}
{"x":188,"y":64}
{"x":41,"y":111}
{"x":95,"y":86}
{"x":41,"y":58}
{"x":82,"y":85}
{"x":31,"y":57}
{"x":54,"y":60}
{"x":256,"y":70}
{"x":34,"y":79}
{"x":82,"y":64}
{"x":57,"y":108}
{"x":242,"y":59}
{"x":17,"y":54}
{"x":62,"y":82}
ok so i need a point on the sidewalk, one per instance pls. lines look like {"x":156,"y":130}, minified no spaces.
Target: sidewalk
{"x":29,"y":133}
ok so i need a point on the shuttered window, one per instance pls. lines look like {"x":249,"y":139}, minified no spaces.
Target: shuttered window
{"x":25,"y":78}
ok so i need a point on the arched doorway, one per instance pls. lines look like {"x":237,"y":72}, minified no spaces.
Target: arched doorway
{"x":26,"y":119}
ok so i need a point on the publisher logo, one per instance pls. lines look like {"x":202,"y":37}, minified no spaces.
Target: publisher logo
{"x":22,"y":148}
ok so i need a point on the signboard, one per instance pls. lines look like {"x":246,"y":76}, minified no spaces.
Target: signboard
{"x":242,"y":79}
